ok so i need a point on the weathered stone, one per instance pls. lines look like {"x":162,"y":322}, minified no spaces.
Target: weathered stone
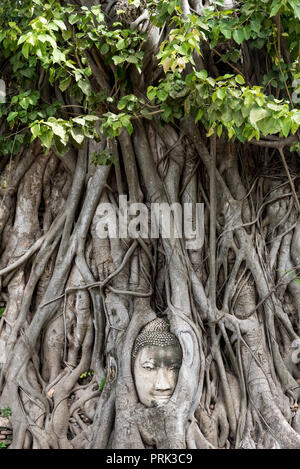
{"x":4,"y":422}
{"x":157,"y":357}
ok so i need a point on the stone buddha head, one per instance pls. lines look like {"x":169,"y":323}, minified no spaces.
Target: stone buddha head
{"x":156,"y":359}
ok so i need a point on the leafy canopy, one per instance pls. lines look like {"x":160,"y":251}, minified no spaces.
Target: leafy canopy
{"x":44,"y":46}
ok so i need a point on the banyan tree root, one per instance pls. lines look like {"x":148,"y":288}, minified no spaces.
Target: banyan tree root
{"x":66,"y":346}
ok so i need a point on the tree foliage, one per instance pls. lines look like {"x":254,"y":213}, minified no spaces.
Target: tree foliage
{"x":54,"y":37}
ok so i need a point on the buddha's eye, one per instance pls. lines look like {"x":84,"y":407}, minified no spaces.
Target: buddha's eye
{"x":148,"y":368}
{"x":174,"y":367}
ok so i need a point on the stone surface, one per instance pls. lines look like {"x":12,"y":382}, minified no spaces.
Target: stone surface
{"x":157,"y":358}
{"x":4,"y":422}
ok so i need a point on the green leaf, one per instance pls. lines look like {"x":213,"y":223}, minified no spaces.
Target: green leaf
{"x":162,"y":94}
{"x":231,"y":132}
{"x":296,"y":116}
{"x":60,"y":24}
{"x":79,"y":120}
{"x":239,"y":79}
{"x":221,"y":93}
{"x":118,"y":59}
{"x":151,"y":92}
{"x":256,"y":25}
{"x":203,"y":74}
{"x":47,"y":38}
{"x":73,"y":18}
{"x":85,"y":86}
{"x":275,"y":8}
{"x":256,"y":114}
{"x":58,"y":129}
{"x":125,"y":120}
{"x":247,"y":32}
{"x":199,"y":115}
{"x":104,"y":49}
{"x":4,"y":444}
{"x":121,"y":44}
{"x":102,"y":383}
{"x":35,"y":130}
{"x":167,"y":64}
{"x":25,"y":50}
{"x":132,"y":59}
{"x":58,"y":56}
{"x":102,"y":158}
{"x":64,"y":84}
{"x":24,"y":103}
{"x":90,"y":118}
{"x":285,"y":126}
{"x":219,"y":130}
{"x":66,"y":35}
{"x":11,"y":116}
{"x":238,"y":36}
{"x":225,"y":29}
{"x":23,"y":38}
{"x":46,"y":138}
{"x":210,"y":132}
{"x":77,"y":135}
{"x":297,"y":11}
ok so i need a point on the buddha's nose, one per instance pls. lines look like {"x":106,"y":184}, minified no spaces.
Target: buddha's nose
{"x":162,"y":381}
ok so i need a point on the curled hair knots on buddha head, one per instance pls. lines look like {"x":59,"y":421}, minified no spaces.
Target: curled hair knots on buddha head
{"x":157,"y":333}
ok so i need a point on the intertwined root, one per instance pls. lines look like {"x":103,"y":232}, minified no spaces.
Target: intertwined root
{"x":60,"y":339}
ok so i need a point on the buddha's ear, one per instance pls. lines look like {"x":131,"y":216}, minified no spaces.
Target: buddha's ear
{"x":187,"y":347}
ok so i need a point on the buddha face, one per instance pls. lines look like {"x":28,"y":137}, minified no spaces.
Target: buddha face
{"x":156,"y":372}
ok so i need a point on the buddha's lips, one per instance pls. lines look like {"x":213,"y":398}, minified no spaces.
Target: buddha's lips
{"x":164,"y":397}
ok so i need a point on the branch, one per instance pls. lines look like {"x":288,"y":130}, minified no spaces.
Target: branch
{"x":274,"y":142}
{"x":290,"y":179}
